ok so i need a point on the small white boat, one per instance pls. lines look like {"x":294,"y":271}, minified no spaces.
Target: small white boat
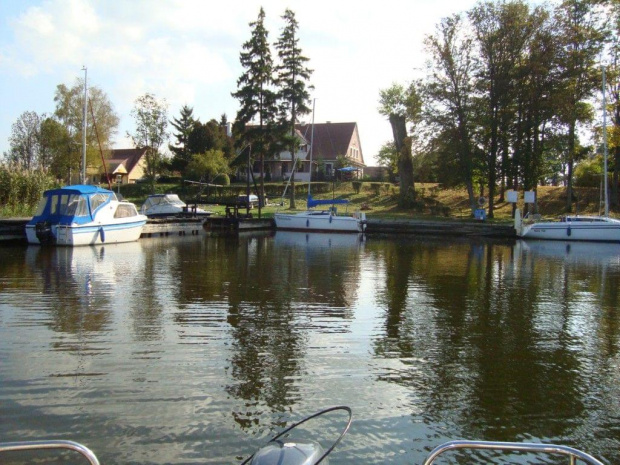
{"x":84,"y":215}
{"x":570,"y":228}
{"x":163,"y":205}
{"x":321,"y":220}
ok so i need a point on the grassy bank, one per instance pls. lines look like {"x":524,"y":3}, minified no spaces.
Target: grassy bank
{"x":433,"y":201}
{"x":376,"y":199}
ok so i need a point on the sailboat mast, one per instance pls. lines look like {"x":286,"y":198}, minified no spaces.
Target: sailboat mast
{"x":605,"y":145}
{"x":83,"y":181}
{"x":311,"y":147}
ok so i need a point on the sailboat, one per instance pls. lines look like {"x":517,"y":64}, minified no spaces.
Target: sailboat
{"x":576,"y":227}
{"x":320,"y":220}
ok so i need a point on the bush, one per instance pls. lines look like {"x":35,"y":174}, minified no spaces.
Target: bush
{"x":222,"y":179}
{"x":21,"y":190}
{"x":357,"y":186}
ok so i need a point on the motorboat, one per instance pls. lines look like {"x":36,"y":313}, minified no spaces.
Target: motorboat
{"x":83,"y":215}
{"x":164,"y":205}
{"x":570,"y":228}
{"x":321,"y":220}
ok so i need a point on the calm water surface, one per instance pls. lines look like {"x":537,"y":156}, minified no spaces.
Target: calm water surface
{"x":198,"y":349}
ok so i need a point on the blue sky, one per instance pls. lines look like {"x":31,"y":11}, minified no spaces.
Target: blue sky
{"x":187,"y":52}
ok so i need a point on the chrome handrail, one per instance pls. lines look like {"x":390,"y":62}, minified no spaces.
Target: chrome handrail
{"x":39,"y":445}
{"x":573,"y":454}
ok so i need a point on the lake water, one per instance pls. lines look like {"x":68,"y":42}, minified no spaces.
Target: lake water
{"x":198,"y":349}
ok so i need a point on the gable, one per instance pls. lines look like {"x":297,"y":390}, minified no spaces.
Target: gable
{"x":333,"y":139}
{"x":129,"y":158}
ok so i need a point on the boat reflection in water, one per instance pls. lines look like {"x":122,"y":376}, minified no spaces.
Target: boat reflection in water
{"x":574,"y":252}
{"x":317,"y":240}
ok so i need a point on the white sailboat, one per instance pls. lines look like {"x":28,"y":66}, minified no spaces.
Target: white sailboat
{"x":320,"y":220}
{"x":576,"y":227}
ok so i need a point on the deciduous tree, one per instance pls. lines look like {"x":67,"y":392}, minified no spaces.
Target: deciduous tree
{"x":402,"y":105}
{"x":151,"y":120}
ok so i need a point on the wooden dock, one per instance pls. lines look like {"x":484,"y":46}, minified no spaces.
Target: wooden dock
{"x":13,"y":229}
{"x":440,"y":228}
{"x":231,"y":224}
{"x":162,"y":227}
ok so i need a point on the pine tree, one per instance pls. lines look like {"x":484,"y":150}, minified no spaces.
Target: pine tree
{"x":291,"y":79}
{"x":256,"y":96}
{"x":184,"y":125}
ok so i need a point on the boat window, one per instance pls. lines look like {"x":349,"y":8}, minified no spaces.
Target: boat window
{"x":41,"y":206}
{"x":96,"y":200}
{"x":64,"y":202}
{"x":53,"y":204}
{"x":76,"y":206}
{"x":125,"y":210}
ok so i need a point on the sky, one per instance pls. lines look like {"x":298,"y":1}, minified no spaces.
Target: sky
{"x":186,"y":52}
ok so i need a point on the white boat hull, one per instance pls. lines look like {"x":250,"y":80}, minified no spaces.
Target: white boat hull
{"x":595,"y":229}
{"x":320,"y":221}
{"x":91,"y":234}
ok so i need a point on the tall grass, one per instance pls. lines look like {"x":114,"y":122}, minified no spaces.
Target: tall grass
{"x":21,"y":190}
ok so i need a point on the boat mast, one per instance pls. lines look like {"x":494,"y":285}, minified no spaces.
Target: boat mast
{"x":605,"y":145}
{"x":83,"y":181}
{"x":311,"y":147}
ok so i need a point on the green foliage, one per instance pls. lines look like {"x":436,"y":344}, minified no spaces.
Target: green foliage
{"x":222,"y":179}
{"x":357,"y":186}
{"x":206,"y":166}
{"x":183,"y":125}
{"x":69,"y":113}
{"x":588,"y":173}
{"x":151,"y":119}
{"x":21,"y":190}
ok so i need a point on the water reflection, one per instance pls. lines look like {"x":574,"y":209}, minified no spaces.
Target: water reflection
{"x":187,"y":350}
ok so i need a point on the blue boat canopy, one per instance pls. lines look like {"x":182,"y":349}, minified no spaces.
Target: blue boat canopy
{"x":348,"y":169}
{"x":313,"y":203}
{"x":71,"y":204}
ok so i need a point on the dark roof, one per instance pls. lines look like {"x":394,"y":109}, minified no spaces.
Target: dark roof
{"x":330,"y":139}
{"x":128,"y":157}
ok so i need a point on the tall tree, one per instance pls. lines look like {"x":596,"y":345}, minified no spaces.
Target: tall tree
{"x":581,"y":44}
{"x":402,"y":105}
{"x":183,"y":125}
{"x":58,"y":154}
{"x":69,"y":108}
{"x":502,"y":32}
{"x":257,"y":97}
{"x":25,"y":141}
{"x":613,"y":91}
{"x":151,"y":119}
{"x":450,"y":91}
{"x":292,"y":76}
{"x":535,"y":103}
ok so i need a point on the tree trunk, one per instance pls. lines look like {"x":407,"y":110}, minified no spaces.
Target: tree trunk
{"x":405,"y":159}
{"x":614,"y":185}
{"x":569,"y":164}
